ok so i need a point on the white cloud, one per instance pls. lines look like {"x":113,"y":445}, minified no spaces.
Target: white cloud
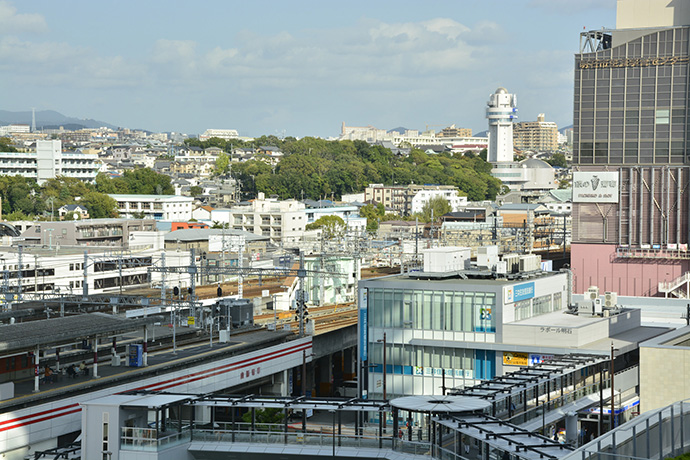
{"x":568,"y":7}
{"x":11,"y":22}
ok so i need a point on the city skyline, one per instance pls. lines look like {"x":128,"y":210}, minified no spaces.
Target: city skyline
{"x":293,"y":68}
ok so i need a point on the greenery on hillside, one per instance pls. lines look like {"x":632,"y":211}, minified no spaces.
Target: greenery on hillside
{"x":316,"y":168}
{"x":23,"y":199}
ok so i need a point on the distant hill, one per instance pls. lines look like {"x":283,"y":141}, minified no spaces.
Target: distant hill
{"x":481,"y":134}
{"x":399,"y":130}
{"x":562,"y":130}
{"x":50,"y":119}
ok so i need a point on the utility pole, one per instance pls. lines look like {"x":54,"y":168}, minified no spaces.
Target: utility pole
{"x":613,"y":400}
{"x":85,"y":280}
{"x":20,"y":260}
{"x":301,"y":297}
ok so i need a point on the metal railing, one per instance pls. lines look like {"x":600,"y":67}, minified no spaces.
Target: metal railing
{"x":656,"y":434}
{"x":147,"y":439}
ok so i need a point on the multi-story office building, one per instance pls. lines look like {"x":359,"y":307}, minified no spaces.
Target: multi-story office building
{"x":49,"y":162}
{"x":158,"y":207}
{"x":540,"y":135}
{"x":630,"y":143}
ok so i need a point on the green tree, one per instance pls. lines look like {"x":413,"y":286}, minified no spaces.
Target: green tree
{"x":436,"y":206}
{"x":331,"y":226}
{"x":20,"y":194}
{"x":195,"y":190}
{"x":373,"y":214}
{"x":146,"y":181}
{"x":6,"y":145}
{"x":268,"y":416}
{"x":222,"y":165}
{"x":99,"y":205}
{"x":558,"y":161}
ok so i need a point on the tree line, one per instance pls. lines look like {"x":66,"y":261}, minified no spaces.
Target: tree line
{"x":24,"y":199}
{"x":317,"y":168}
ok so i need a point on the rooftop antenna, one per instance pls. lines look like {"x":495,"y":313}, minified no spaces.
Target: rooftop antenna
{"x":33,"y":119}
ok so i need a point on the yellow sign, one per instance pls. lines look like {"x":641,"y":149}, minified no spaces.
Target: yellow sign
{"x":515,"y":359}
{"x":190,"y":321}
{"x":632,"y":62}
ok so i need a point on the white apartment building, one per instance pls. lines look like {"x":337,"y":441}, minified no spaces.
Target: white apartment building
{"x":226,"y":134}
{"x":158,"y":207}
{"x":49,"y":162}
{"x":350,"y":215}
{"x":281,"y":221}
{"x":452,"y":196}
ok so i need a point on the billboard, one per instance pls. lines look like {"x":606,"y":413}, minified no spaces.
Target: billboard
{"x":515,"y":359}
{"x":518,"y":292}
{"x":595,"y":187}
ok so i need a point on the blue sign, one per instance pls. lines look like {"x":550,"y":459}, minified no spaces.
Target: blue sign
{"x":363,"y":327}
{"x":523,"y":292}
{"x":136,"y":358}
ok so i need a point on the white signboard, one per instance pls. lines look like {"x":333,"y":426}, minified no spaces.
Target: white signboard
{"x":595,"y":187}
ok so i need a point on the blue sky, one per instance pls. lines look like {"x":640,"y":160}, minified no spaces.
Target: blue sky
{"x":298,"y":67}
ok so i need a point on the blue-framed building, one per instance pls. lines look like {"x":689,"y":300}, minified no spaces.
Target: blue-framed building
{"x":447,"y":328}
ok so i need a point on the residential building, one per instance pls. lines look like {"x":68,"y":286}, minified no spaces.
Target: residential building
{"x":158,"y":207}
{"x":630,"y":142}
{"x":187,"y":225}
{"x":349,"y":213}
{"x":400,"y":198}
{"x":452,"y":196}
{"x":281,"y":221}
{"x":49,"y":162}
{"x":79,"y":212}
{"x":539,"y":136}
{"x":87,"y":232}
{"x":452,"y":131}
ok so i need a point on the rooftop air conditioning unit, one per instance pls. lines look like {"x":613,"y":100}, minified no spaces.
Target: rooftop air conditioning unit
{"x":610,"y":299}
{"x":592,"y":293}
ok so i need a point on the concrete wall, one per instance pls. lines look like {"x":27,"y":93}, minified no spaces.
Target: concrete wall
{"x":596,"y":265}
{"x":665,"y":370}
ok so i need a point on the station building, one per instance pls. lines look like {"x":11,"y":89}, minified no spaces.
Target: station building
{"x":460,"y":322}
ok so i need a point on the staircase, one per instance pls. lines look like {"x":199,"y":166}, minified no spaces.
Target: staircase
{"x":673,"y":288}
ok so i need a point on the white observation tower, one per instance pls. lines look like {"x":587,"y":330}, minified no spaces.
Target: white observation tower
{"x":501,"y":111}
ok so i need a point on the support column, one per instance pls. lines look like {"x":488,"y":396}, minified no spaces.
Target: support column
{"x":145,"y":358}
{"x":36,"y":370}
{"x":95,"y":358}
{"x":57,"y":359}
{"x":113,"y":352}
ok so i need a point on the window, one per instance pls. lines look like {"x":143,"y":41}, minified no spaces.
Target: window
{"x":662,"y":116}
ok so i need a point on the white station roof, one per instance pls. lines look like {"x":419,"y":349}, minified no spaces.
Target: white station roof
{"x":440,"y":404}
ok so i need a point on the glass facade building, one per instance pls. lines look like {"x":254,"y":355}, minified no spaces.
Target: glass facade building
{"x":630,"y":119}
{"x":631,"y":98}
{"x":443,"y":331}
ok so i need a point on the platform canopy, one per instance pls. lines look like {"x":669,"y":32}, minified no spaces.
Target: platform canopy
{"x":440,"y":404}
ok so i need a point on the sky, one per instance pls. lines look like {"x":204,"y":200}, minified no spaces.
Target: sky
{"x":294,"y":68}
